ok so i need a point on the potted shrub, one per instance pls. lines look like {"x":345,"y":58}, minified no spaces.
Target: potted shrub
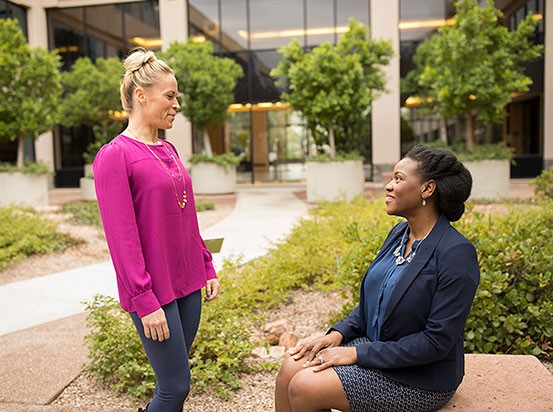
{"x":472,"y":69}
{"x":92,"y":99}
{"x":207,"y":85}
{"x":214,"y":174}
{"x":332,"y":86}
{"x":31,"y":91}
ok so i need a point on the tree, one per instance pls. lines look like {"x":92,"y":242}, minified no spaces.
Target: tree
{"x":334,"y":85}
{"x":31,"y":87}
{"x":206,"y":82}
{"x":92,"y":99}
{"x":473,"y":67}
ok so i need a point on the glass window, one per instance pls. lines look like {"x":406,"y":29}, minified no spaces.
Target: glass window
{"x":142,"y":25}
{"x":352,"y":8}
{"x":263,"y":85}
{"x":104,"y":27}
{"x":203,"y":20}
{"x":275,"y":23}
{"x":419,"y":19}
{"x":320,"y":22}
{"x":66,"y":33}
{"x":241,"y":92}
{"x":234,"y":25}
{"x":13,"y":11}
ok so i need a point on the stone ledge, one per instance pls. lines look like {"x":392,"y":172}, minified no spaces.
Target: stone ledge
{"x":503,"y":383}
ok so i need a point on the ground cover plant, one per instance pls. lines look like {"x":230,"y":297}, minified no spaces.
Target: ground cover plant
{"x":331,"y":250}
{"x":24,"y":233}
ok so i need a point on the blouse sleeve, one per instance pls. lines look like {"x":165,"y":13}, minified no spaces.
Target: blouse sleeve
{"x":208,"y":262}
{"x":111,"y":180}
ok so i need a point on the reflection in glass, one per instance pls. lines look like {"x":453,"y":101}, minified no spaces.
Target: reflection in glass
{"x":275,"y":22}
{"x":234,"y":20}
{"x":345,"y":9}
{"x":320,"y":14}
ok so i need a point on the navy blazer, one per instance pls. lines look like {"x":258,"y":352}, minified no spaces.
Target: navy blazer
{"x":422,"y":333}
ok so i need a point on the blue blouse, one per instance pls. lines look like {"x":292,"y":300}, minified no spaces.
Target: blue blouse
{"x":378,"y":285}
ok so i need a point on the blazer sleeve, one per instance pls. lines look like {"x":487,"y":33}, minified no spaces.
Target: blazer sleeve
{"x":458,"y":277}
{"x":352,"y":326}
{"x":111,"y":180}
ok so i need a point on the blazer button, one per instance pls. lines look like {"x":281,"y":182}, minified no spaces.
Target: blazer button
{"x":385,"y":333}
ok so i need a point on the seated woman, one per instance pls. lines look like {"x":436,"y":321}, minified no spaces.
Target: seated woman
{"x":401,"y":349}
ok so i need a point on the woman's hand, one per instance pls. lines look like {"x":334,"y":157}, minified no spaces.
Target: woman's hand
{"x":312,"y":348}
{"x":211,"y":289}
{"x":333,"y":357}
{"x":155,"y":325}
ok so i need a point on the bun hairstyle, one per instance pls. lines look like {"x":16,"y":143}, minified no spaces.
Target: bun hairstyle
{"x":142,"y":68}
{"x":453,"y":180}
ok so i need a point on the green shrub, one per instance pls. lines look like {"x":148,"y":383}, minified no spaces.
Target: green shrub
{"x":24,"y":234}
{"x":225,"y":159}
{"x":88,"y":213}
{"x":84,"y":213}
{"x":544,"y":184}
{"x":513,"y":305}
{"x":332,"y":249}
{"x":32,"y":168}
{"x":115,"y":350}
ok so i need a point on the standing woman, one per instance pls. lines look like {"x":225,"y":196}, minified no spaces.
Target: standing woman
{"x":149,"y":216}
{"x":401,"y":349}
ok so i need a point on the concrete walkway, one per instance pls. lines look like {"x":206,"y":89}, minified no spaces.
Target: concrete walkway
{"x":261,"y":217}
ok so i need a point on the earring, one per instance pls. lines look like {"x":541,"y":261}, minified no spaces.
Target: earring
{"x":423,"y":202}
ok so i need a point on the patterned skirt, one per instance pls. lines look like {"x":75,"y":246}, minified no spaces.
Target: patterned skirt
{"x":368,"y":390}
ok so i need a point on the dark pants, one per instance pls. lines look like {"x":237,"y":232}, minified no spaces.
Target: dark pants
{"x":169,"y":359}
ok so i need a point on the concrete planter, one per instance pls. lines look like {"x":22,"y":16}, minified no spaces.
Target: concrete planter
{"x":88,"y":191}
{"x":88,"y":170}
{"x":24,"y":188}
{"x":490,"y":179}
{"x":210,"y":178}
{"x":334,"y":180}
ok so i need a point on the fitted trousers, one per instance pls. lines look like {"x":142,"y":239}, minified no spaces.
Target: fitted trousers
{"x":169,"y":359}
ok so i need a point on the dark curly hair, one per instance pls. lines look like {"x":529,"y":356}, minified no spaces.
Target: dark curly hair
{"x":453,"y":180}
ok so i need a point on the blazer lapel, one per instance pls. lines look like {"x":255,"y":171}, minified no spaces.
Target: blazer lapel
{"x":414,"y":268}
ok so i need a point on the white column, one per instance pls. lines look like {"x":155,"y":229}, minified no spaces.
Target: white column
{"x":38,"y":37}
{"x":173,"y":23}
{"x":386,"y":109}
{"x":548,"y":90}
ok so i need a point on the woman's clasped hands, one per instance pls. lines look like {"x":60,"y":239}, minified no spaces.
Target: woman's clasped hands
{"x":324,"y":352}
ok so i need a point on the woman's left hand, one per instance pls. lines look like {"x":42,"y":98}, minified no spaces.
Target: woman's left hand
{"x":338,"y":355}
{"x":211,"y":289}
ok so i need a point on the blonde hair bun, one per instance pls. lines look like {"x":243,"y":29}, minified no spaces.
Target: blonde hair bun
{"x":137,"y":58}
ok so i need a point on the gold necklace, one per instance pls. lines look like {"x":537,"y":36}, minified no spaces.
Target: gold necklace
{"x":171,"y":176}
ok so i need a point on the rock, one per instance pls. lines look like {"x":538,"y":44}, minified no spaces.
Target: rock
{"x":276,"y":352}
{"x":277,"y":327}
{"x":288,"y":340}
{"x":260,"y":352}
{"x":272,"y":339}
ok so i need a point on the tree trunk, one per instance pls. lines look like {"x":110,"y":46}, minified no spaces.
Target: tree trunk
{"x":331,"y":140}
{"x":469,"y":130}
{"x":443,"y":130}
{"x":20,"y":146}
{"x":207,"y":143}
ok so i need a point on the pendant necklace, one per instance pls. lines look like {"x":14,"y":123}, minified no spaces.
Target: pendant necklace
{"x":400,"y":260}
{"x":180,"y":177}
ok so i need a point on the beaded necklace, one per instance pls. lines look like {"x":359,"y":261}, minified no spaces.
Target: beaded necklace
{"x":400,"y":260}
{"x":180,"y":177}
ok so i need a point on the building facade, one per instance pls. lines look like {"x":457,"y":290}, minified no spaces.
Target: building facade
{"x":271,"y":136}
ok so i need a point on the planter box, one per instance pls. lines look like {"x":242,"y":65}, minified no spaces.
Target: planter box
{"x":213,"y":179}
{"x":490,"y":179}
{"x":334,"y":180}
{"x":88,"y":170}
{"x":24,"y":188}
{"x":88,"y":191}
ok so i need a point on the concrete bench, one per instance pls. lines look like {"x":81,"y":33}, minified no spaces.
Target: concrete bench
{"x":503,"y":383}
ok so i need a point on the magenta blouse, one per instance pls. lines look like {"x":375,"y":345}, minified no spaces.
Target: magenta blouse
{"x":155,"y":245}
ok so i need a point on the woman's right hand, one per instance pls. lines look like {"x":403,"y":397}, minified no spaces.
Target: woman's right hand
{"x":311,"y":348}
{"x":155,"y":325}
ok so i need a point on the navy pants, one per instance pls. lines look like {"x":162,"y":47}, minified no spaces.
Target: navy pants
{"x":169,"y":359}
